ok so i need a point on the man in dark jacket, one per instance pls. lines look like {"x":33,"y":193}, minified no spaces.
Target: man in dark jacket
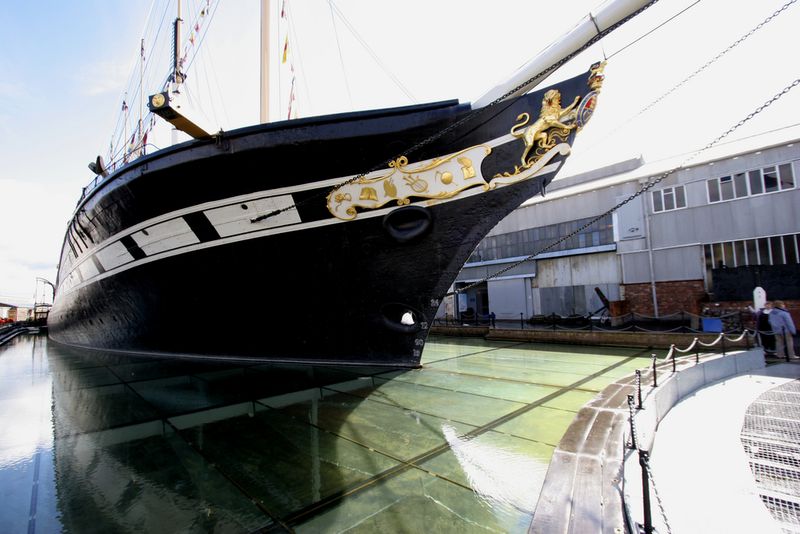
{"x":782,"y":325}
{"x":764,"y":330}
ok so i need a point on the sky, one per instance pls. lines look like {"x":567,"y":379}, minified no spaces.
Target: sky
{"x":65,"y":67}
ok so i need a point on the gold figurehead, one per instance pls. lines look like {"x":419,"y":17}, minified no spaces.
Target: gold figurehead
{"x":536,"y":135}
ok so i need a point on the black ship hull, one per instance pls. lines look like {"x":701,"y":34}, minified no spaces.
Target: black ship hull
{"x":244,"y":246}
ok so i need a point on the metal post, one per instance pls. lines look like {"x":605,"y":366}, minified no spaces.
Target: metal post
{"x":673,"y":358}
{"x":630,"y":418}
{"x":639,"y":388}
{"x":747,"y":339}
{"x":655,"y":380}
{"x":521,"y":324}
{"x":648,"y":520}
{"x":723,"y":342}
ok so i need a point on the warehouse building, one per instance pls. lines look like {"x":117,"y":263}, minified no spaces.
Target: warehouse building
{"x":707,"y":234}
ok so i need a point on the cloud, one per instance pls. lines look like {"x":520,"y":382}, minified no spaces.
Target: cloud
{"x":108,"y":77}
{"x":36,"y":217}
{"x":12,"y":90}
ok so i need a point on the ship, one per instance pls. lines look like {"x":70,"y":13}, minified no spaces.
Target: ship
{"x":374,"y":212}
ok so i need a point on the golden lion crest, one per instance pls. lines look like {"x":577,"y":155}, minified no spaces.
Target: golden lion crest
{"x":537,"y":135}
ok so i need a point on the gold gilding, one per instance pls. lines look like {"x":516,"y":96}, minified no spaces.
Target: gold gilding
{"x":596,"y":75}
{"x":368,"y":193}
{"x":466,"y":167}
{"x":537,"y":136}
{"x":435,"y":179}
{"x":445,"y":177}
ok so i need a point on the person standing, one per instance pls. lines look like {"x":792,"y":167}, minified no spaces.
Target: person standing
{"x":783,"y":327}
{"x":764,"y":330}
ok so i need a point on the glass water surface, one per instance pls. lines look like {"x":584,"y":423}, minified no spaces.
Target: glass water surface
{"x":100,"y":442}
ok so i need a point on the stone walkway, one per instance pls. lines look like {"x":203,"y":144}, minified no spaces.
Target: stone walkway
{"x":726,"y":459}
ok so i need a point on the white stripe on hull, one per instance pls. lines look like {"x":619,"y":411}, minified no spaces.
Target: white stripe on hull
{"x":168,"y":235}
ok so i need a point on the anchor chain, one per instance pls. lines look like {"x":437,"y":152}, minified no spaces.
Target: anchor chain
{"x":645,"y":187}
{"x":705,"y":66}
{"x":460,"y":122}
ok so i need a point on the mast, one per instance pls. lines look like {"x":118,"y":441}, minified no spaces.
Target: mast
{"x":177,"y":76}
{"x":610,"y":13}
{"x":265,"y":60}
{"x":141,"y":95}
{"x":171,"y":105}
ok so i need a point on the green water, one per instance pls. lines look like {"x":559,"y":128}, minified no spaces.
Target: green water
{"x":96,"y":442}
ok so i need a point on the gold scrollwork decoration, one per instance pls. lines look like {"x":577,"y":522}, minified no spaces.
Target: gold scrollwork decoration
{"x":435,"y":179}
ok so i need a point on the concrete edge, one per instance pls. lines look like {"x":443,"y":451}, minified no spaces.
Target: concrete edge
{"x":605,"y":464}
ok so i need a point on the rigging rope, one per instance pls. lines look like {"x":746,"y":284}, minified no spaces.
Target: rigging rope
{"x":120,"y":144}
{"x":646,"y":187}
{"x":673,"y":17}
{"x":463,"y":120}
{"x":371,"y":52}
{"x":692,"y":75}
{"x":341,"y":58}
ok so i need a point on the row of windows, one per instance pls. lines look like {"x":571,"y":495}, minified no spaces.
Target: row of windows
{"x":777,"y":250}
{"x":528,"y":241}
{"x":755,"y":182}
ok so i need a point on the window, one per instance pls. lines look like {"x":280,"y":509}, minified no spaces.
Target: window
{"x":756,"y":185}
{"x":776,"y":245}
{"x":740,"y":185}
{"x":671,"y":198}
{"x":713,"y":190}
{"x":776,"y":250}
{"x":526,"y":242}
{"x":770,"y":179}
{"x":787,"y":178}
{"x":752,"y":252}
{"x":738,"y":249}
{"x":764,"y":257}
{"x":727,"y":251}
{"x":790,"y":248}
{"x":726,"y":187}
{"x":755,"y":182}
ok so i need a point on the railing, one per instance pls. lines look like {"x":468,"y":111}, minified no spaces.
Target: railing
{"x":679,"y":322}
{"x":683,"y":321}
{"x":11,"y":330}
{"x":635,"y":404}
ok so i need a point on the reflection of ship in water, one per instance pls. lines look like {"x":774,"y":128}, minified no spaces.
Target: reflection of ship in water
{"x":166,"y":446}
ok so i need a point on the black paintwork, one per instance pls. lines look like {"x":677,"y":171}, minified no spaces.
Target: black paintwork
{"x":331,"y":294}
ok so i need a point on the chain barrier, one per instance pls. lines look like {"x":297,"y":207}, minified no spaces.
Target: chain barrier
{"x":647,"y":474}
{"x":632,"y":421}
{"x":700,"y":69}
{"x":552,"y":321}
{"x":649,"y":469}
{"x":639,"y":388}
